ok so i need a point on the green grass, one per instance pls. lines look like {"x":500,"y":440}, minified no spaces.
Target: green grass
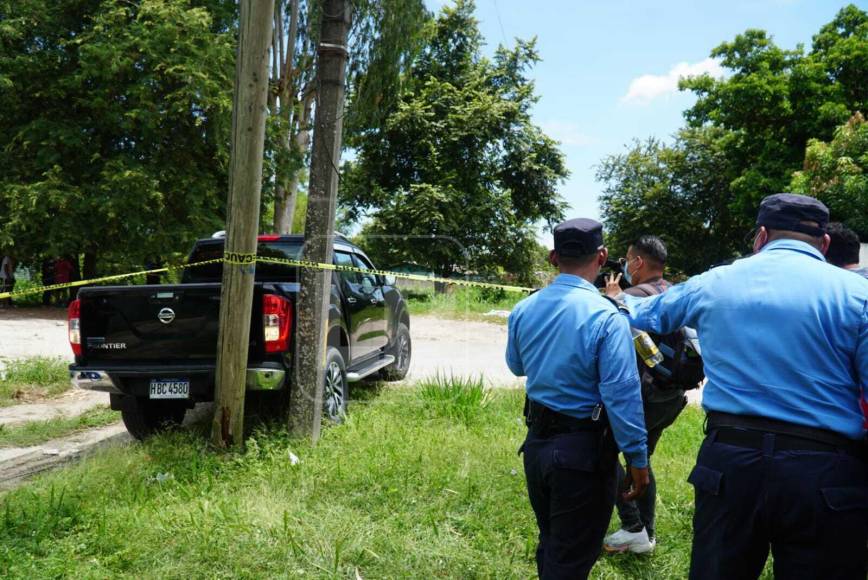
{"x":463,"y":303}
{"x":400,"y":490}
{"x":455,"y":397}
{"x":33,"y":378}
{"x":36,"y":432}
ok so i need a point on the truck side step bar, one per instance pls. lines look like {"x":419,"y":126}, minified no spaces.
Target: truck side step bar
{"x":358,"y":375}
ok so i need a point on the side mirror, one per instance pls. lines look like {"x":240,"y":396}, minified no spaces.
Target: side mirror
{"x":390,"y":280}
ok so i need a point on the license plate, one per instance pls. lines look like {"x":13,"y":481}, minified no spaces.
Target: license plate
{"x":170,"y":389}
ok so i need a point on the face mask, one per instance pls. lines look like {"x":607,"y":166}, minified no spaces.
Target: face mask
{"x":627,"y":276}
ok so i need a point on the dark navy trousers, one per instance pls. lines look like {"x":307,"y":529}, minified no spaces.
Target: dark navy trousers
{"x":572,"y":484}
{"x":809,"y":507}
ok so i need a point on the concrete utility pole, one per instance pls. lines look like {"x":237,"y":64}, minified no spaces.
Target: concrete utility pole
{"x":305,"y":410}
{"x":245,"y":184}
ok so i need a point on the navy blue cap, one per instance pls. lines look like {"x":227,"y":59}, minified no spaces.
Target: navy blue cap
{"x":787,"y":211}
{"x":578,"y":237}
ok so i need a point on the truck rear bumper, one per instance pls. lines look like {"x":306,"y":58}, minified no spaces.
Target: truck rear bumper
{"x":134,"y":381}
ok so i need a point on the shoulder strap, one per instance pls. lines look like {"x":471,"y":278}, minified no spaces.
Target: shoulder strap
{"x":648,"y":289}
{"x":619,"y":306}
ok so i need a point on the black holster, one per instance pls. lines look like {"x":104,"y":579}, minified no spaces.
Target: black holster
{"x":544,"y":422}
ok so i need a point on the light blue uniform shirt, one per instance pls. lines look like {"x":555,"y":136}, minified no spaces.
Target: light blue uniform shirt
{"x":577,"y":352}
{"x":784,"y":336}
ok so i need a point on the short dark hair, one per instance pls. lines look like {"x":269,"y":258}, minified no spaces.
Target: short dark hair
{"x":651,"y":248}
{"x":844,"y":249}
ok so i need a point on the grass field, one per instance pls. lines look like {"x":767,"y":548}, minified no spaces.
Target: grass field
{"x":464,"y":303}
{"x":36,"y":432}
{"x":32,"y":378}
{"x":415,"y":484}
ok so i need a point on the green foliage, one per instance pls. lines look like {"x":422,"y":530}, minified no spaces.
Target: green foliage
{"x":36,"y":432}
{"x":837,"y":173}
{"x":384,"y":36}
{"x":32,"y":378}
{"x":34,"y":299}
{"x":115,"y":122}
{"x":457,"y":168}
{"x":455,"y":397}
{"x":408,"y":496}
{"x":746,"y":135}
{"x":678,"y":192}
{"x":462,"y":302}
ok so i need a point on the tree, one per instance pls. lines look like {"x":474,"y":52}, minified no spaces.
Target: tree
{"x":678,"y":192}
{"x":745,"y":136}
{"x":775,"y":100}
{"x":457,"y":168}
{"x":837,"y":173}
{"x":384,"y":37}
{"x":114,"y":119}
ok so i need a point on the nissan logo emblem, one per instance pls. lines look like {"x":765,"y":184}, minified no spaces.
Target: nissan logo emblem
{"x":166,"y":315}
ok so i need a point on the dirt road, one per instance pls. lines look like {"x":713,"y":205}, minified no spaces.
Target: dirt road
{"x":450,"y":346}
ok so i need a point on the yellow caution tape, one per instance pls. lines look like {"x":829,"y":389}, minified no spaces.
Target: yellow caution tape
{"x":238,"y":258}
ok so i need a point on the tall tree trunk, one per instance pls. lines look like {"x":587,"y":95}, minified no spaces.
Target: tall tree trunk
{"x":286,"y":192}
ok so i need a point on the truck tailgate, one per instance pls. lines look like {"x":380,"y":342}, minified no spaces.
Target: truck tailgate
{"x":151,"y":323}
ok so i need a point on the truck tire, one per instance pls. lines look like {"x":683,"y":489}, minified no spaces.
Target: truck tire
{"x":402,"y":351}
{"x":335,"y":390}
{"x":144,"y":417}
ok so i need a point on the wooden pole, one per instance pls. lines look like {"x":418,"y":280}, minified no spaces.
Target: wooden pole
{"x":242,"y":217}
{"x":305,"y":411}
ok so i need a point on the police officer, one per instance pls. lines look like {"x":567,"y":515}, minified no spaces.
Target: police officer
{"x":582,"y":386}
{"x":844,"y":249}
{"x":785,"y":344}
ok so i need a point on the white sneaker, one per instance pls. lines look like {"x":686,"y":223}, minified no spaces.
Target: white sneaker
{"x":624,"y":541}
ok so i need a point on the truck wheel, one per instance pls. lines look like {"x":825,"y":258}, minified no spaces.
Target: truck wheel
{"x":144,"y":417}
{"x":334,"y":393}
{"x":402,"y":352}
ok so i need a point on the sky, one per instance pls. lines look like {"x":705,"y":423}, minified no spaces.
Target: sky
{"x":610,"y":68}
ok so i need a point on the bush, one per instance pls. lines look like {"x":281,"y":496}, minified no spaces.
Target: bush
{"x":33,"y":378}
{"x":455,"y":397}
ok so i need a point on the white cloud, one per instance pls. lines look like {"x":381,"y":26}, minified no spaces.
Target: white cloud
{"x":565,"y":132}
{"x":646,"y":88}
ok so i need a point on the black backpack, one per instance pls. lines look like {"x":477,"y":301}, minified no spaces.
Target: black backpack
{"x":682,"y":356}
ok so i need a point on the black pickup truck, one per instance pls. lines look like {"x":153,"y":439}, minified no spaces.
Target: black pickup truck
{"x":153,"y":347}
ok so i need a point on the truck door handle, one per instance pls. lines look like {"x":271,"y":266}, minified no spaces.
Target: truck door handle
{"x":351,"y":300}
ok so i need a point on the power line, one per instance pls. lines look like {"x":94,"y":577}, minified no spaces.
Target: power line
{"x":499,"y":21}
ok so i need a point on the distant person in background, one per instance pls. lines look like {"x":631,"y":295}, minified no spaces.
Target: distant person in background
{"x":7,"y":279}
{"x":844,"y":253}
{"x":844,"y":249}
{"x":153,"y":263}
{"x":63,"y":274}
{"x":47,"y":279}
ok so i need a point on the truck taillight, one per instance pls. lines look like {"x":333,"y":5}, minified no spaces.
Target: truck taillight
{"x":74,"y":317}
{"x":276,"y":322}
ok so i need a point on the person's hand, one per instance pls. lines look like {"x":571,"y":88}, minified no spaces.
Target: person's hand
{"x":635,"y":483}
{"x":613,"y":286}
